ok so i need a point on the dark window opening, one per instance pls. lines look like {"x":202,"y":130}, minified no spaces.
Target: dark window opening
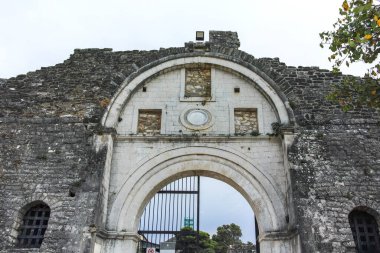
{"x":34,"y":225}
{"x":365,"y":232}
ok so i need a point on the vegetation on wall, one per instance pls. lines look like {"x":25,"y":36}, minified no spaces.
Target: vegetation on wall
{"x":356,"y":38}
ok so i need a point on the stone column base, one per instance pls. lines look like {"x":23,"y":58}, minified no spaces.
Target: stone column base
{"x":280,"y":242}
{"x":117,"y":242}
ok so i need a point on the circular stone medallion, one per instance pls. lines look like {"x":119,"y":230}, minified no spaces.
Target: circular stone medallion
{"x":196,"y":119}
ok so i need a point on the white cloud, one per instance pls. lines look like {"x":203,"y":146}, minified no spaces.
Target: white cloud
{"x":37,"y":33}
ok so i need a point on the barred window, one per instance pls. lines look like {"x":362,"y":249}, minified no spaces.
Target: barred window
{"x":365,"y":232}
{"x":33,"y":227}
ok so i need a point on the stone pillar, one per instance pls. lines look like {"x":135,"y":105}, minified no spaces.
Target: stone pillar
{"x":119,"y":242}
{"x":280,"y":242}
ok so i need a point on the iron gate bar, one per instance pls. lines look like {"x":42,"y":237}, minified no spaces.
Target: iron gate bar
{"x":159,"y":232}
{"x":198,"y":207}
{"x":166,"y":212}
{"x":179,"y":192}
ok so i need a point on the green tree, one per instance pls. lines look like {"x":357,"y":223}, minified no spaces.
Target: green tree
{"x":356,"y":38}
{"x":187,"y":241}
{"x":227,"y":235}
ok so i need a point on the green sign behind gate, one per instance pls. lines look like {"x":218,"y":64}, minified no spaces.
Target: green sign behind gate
{"x":188,"y":222}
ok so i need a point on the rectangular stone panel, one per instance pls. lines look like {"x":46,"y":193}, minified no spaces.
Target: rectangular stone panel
{"x":149,"y":122}
{"x":198,"y":81}
{"x":246,"y":120}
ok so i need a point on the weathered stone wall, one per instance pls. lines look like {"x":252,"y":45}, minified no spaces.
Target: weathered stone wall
{"x":224,"y":39}
{"x":48,"y":119}
{"x":335,"y":162}
{"x":335,"y":169}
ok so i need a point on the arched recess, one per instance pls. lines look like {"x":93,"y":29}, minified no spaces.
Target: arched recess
{"x":369,"y":210}
{"x":266,"y":85}
{"x":250,"y":180}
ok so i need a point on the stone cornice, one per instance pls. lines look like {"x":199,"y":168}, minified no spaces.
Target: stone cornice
{"x":193,"y":138}
{"x":118,"y":235}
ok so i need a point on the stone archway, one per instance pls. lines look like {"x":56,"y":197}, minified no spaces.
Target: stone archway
{"x":228,"y":166}
{"x":138,"y":166}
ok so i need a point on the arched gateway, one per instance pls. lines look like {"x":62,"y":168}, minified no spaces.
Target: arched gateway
{"x":197,"y":115}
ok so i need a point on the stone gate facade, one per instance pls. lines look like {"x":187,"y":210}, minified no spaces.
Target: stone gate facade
{"x":85,"y":144}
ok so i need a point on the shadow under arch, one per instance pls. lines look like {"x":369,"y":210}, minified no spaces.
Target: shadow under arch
{"x":255,"y":186}
{"x":29,"y":205}
{"x":368,"y":210}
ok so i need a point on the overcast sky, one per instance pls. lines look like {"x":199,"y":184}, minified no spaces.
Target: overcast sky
{"x":38,"y":33}
{"x":221,"y":204}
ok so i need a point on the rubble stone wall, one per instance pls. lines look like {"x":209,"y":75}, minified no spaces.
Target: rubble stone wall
{"x":198,"y":82}
{"x":149,"y":122}
{"x":246,"y":121}
{"x":50,"y":117}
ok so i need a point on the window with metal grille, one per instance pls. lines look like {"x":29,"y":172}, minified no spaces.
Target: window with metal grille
{"x":33,"y":227}
{"x":365,"y":232}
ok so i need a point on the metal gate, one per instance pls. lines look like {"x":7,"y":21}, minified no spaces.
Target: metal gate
{"x":365,"y":232}
{"x":170,"y":215}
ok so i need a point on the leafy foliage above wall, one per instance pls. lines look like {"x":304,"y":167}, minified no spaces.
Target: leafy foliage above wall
{"x":356,"y":38}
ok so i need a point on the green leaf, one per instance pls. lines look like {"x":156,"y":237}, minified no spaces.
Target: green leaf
{"x":348,"y":44}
